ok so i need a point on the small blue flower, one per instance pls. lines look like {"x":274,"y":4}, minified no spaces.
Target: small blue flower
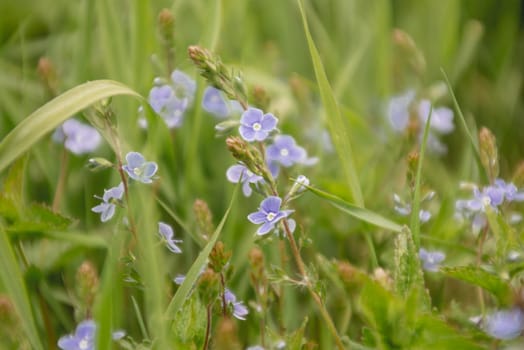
{"x":83,"y":339}
{"x":398,"y":110}
{"x":404,"y":209}
{"x":166,"y":232}
{"x":240,"y":311}
{"x":285,"y":151}
{"x":505,"y":324}
{"x":441,"y":117}
{"x":106,"y":209}
{"x":77,"y":137}
{"x":255,"y":125}
{"x":179,"y":279}
{"x":239,"y":172}
{"x":138,"y":169}
{"x":216,"y":103}
{"x":431,"y":260}
{"x":184,"y":86}
{"x":269,"y":214}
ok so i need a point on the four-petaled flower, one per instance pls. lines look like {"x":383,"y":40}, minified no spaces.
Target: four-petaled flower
{"x":138,"y":169}
{"x":240,"y":311}
{"x":269,"y":214}
{"x":77,"y":137}
{"x":84,"y":337}
{"x":239,"y":172}
{"x":166,"y":232}
{"x":216,"y":103}
{"x":431,"y":260}
{"x":255,"y":125}
{"x":106,"y":209}
{"x":285,"y":151}
{"x":505,"y":324}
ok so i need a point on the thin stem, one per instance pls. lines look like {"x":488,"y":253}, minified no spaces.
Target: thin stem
{"x":224,"y":303}
{"x":208,"y":325}
{"x":482,"y":239}
{"x":61,"y":180}
{"x":314,"y":294}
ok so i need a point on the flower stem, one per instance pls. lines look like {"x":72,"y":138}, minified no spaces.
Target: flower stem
{"x":208,"y":326}
{"x":61,"y":181}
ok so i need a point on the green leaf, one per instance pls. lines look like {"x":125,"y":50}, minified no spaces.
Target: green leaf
{"x":14,"y":285}
{"x":52,"y":114}
{"x":190,"y":325}
{"x":194,"y":271}
{"x":337,"y":127}
{"x":505,"y":235}
{"x":482,"y":278}
{"x":408,"y":273}
{"x":358,"y":212}
{"x":39,"y":218}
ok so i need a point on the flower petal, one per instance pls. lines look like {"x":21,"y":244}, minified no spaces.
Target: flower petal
{"x":235,"y":173}
{"x":271,"y":204}
{"x":269,"y":122}
{"x":149,"y":168}
{"x":262,"y":230}
{"x":134,"y":159}
{"x":257,"y":217}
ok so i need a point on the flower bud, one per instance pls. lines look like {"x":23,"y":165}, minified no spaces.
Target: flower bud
{"x":166,"y":24}
{"x":226,"y":335}
{"x":488,"y":153}
{"x":97,"y":164}
{"x":204,"y":218}
{"x":86,"y":285}
{"x":219,"y":257}
{"x":47,"y":73}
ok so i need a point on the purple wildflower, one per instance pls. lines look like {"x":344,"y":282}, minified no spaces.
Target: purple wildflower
{"x":398,"y":110}
{"x":84,"y":337}
{"x":179,"y":279}
{"x":239,"y":172}
{"x":441,"y":118}
{"x":285,"y":151}
{"x":184,"y":86}
{"x":106,"y":209}
{"x":431,"y":260}
{"x":166,"y":232}
{"x":240,"y":311}
{"x":78,"y":138}
{"x":216,"y":103}
{"x":505,"y":324}
{"x":138,"y":169}
{"x":269,"y":214}
{"x":404,"y":209}
{"x":255,"y":125}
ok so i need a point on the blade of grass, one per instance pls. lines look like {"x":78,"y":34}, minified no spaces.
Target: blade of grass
{"x":182,"y":224}
{"x":336,"y":124}
{"x":473,"y":141}
{"x":194,"y":271}
{"x":49,"y":116}
{"x":415,"y":205}
{"x":14,"y":285}
{"x":357,"y":212}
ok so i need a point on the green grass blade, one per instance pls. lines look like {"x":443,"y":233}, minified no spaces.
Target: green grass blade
{"x":357,"y":212}
{"x":13,"y":283}
{"x":194,"y":271}
{"x":52,"y":114}
{"x":335,"y":122}
{"x":415,"y":205}
{"x":472,"y":139}
{"x":198,"y":240}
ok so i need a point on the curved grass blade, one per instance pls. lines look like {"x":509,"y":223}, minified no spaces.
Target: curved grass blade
{"x":358,"y":212}
{"x":52,"y":114}
{"x":472,"y":140}
{"x":12,"y":281}
{"x":335,"y":122}
{"x":194,"y":271}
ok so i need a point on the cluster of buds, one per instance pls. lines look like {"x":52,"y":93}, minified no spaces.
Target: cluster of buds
{"x":488,"y":153}
{"x":250,"y":156}
{"x":215,"y":72}
{"x":204,"y":218}
{"x":87,"y":283}
{"x":219,"y":257}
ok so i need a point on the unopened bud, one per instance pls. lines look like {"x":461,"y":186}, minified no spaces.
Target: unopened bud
{"x":414,"y":55}
{"x":86,"y":285}
{"x":219,"y":257}
{"x":299,"y":186}
{"x":204,"y":218}
{"x":47,"y":73}
{"x":260,"y":98}
{"x":208,"y":285}
{"x":166,"y":24}
{"x":250,"y":156}
{"x":488,"y":153}
{"x":412,"y":160}
{"x":226,"y":126}
{"x":346,"y":271}
{"x":97,"y":164}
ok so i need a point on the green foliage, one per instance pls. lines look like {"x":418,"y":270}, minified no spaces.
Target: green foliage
{"x":488,"y":281}
{"x":189,"y":326}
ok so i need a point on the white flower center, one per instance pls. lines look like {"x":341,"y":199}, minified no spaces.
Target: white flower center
{"x":257,"y":126}
{"x":83,"y":344}
{"x":137,"y":171}
{"x":486,"y":201}
{"x":284,"y":152}
{"x":270,"y":216}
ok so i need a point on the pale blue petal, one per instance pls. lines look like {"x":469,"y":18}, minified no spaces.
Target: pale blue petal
{"x":257,"y":217}
{"x":134,"y":160}
{"x":271,"y":204}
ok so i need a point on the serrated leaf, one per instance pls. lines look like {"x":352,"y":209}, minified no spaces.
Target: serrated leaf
{"x":39,"y":218}
{"x":52,"y":114}
{"x":357,"y":212}
{"x":482,"y":278}
{"x":437,"y":335}
{"x":190,"y":325}
{"x":408,"y":273}
{"x":505,"y":236}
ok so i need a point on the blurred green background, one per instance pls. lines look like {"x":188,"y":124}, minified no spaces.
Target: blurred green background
{"x":479,"y":44}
